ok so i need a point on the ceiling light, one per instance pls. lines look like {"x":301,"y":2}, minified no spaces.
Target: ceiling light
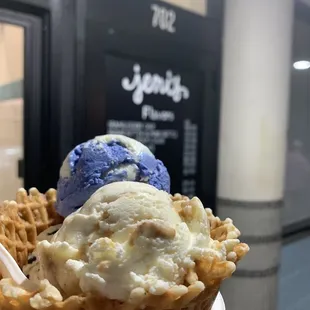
{"x":301,"y":65}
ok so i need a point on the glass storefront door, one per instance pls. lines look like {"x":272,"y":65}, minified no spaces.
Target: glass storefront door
{"x":11,"y":108}
{"x":297,"y":185}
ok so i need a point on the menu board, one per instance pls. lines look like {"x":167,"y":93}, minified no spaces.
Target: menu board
{"x":159,"y":106}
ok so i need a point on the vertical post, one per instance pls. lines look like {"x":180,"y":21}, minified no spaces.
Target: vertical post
{"x":255,"y":94}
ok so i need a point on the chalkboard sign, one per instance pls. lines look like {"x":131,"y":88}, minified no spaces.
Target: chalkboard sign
{"x":159,"y":106}
{"x":149,"y":70}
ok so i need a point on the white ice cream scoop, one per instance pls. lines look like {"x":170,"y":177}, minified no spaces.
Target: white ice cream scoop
{"x":10,"y":269}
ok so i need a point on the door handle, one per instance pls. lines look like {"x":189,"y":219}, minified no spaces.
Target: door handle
{"x":21,"y":168}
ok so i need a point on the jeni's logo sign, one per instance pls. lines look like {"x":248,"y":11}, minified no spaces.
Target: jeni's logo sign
{"x":154,"y":84}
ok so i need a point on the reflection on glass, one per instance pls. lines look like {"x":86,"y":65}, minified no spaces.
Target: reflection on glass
{"x":11,"y":108}
{"x":297,"y":186}
{"x":195,"y":6}
{"x":297,"y":189}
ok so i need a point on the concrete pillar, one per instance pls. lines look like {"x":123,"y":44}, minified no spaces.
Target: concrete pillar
{"x":255,"y":95}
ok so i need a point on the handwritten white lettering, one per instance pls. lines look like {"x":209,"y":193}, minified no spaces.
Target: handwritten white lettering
{"x":148,"y":112}
{"x":148,"y":84}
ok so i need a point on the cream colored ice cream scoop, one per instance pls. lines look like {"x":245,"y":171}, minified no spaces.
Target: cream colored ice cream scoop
{"x":126,"y":242}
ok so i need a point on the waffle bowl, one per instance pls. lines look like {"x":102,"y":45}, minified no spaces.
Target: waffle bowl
{"x":211,"y":271}
{"x":24,"y":219}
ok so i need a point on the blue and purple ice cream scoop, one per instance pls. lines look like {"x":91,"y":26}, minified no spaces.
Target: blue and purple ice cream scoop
{"x":103,"y":160}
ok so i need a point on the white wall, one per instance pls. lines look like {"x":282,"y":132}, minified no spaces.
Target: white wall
{"x":195,"y":6}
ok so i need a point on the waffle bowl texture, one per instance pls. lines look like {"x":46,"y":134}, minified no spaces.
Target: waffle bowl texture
{"x":22,"y":220}
{"x":211,"y":271}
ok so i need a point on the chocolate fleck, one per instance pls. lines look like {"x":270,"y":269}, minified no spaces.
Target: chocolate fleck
{"x":31,"y":259}
{"x":52,"y":233}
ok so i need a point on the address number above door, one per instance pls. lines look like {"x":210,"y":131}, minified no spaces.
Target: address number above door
{"x":163,"y":18}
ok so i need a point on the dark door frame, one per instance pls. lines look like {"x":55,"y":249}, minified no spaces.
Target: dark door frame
{"x":31,"y":91}
{"x":49,"y":88}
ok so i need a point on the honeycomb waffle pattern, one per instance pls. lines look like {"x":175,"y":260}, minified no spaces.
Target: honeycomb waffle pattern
{"x":22,"y":220}
{"x":92,"y":302}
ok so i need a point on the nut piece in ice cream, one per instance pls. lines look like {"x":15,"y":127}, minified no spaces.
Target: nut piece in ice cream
{"x":45,"y":297}
{"x":129,"y":241}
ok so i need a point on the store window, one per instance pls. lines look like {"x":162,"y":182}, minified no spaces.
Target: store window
{"x":11,"y":108}
{"x":297,"y":185}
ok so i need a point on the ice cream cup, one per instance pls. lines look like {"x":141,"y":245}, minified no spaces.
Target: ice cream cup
{"x":211,"y":272}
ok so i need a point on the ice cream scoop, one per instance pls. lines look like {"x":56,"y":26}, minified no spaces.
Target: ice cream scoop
{"x":101,"y":161}
{"x":130,"y":246}
{"x":129,"y":241}
{"x":32,"y":269}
